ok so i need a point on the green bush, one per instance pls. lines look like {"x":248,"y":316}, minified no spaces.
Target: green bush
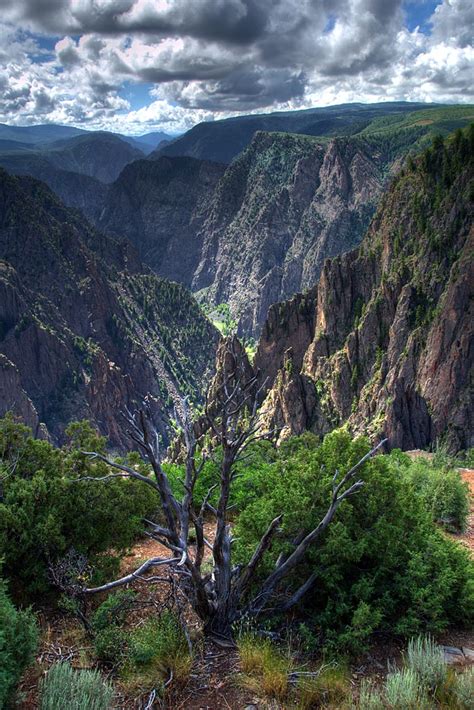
{"x":111,"y":645}
{"x":440,"y":488}
{"x":64,"y":687}
{"x":465,"y":459}
{"x":18,"y":642}
{"x":404,"y":691}
{"x":425,"y":658}
{"x":463,"y":689}
{"x":113,"y":611}
{"x":248,"y":483}
{"x":382,"y":565}
{"x":45,"y":511}
{"x":159,"y":640}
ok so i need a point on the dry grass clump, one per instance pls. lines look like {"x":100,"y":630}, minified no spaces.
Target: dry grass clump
{"x":328,"y":688}
{"x":265,"y":669}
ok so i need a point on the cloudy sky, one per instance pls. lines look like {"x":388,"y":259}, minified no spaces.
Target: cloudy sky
{"x":140,"y":65}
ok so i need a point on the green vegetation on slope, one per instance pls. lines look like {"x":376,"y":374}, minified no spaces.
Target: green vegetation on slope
{"x":383,"y":565}
{"x":87,"y":326}
{"x":45,"y":512}
{"x":18,"y":643}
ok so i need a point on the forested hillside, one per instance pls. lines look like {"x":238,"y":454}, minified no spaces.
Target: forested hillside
{"x":86,"y":330}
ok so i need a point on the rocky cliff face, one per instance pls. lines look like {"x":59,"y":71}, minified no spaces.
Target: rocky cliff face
{"x":85,"y":329}
{"x":159,"y":206}
{"x":385,"y":342}
{"x":287,"y":203}
{"x":78,"y":191}
{"x":258,"y":231}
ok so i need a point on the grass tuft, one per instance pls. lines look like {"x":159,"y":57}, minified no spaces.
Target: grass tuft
{"x":265,"y":667}
{"x":330,"y":688}
{"x":463,"y":689}
{"x":65,"y":687}
{"x":404,"y":691}
{"x":370,"y":697}
{"x":425,"y":658}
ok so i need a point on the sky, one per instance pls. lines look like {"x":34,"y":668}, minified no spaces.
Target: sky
{"x":135,"y":66}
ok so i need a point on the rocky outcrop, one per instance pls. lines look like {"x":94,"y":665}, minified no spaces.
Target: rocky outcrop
{"x":85,"y":329}
{"x":388,"y":346}
{"x":283,"y":206}
{"x":14,"y":398}
{"x":160,"y":206}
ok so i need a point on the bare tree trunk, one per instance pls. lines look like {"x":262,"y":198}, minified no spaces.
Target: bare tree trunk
{"x":221,"y":597}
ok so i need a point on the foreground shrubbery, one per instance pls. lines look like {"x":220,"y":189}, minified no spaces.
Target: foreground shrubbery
{"x":424,"y":682}
{"x":384,"y":563}
{"x":45,"y":511}
{"x":440,"y":488}
{"x":64,"y":687}
{"x":381,"y":565}
{"x":156,"y":648}
{"x":18,"y":641}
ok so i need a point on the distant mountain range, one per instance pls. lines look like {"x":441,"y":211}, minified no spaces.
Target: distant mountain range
{"x":76,"y":164}
{"x":221,"y":141}
{"x":42,"y":135}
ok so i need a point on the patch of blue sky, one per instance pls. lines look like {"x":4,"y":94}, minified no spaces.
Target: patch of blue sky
{"x":418,"y":14}
{"x":329,"y":26}
{"x":137,"y":94}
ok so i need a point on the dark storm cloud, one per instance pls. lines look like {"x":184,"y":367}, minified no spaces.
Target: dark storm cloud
{"x":233,"y":21}
{"x":243,"y":90}
{"x":277,"y":34}
{"x":218,"y":57}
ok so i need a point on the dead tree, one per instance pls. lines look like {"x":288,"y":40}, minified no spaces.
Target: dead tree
{"x":227,"y":593}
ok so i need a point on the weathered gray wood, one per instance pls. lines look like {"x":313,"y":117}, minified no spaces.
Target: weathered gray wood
{"x":219,"y":598}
